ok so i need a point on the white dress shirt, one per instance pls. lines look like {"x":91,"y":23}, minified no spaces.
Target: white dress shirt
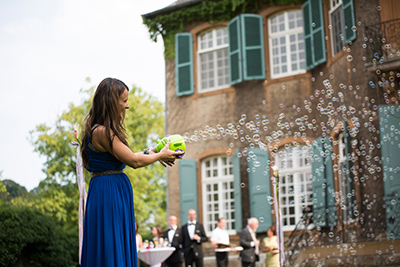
{"x":191,"y":228}
{"x":220,"y":236}
{"x":171,"y":233}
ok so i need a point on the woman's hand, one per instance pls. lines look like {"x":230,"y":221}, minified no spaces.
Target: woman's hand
{"x":168,"y":156}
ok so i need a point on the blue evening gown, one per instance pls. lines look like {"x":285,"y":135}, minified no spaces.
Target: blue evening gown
{"x":109,"y":237}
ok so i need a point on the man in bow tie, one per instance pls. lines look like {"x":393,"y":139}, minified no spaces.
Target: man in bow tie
{"x":173,"y":235}
{"x":250,"y":244}
{"x":193,"y":235}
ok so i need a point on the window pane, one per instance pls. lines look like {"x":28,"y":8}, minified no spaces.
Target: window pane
{"x":219,"y":200}
{"x":295,"y":186}
{"x":285,"y":41}
{"x":214,"y":62}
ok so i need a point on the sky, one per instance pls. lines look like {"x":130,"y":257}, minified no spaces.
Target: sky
{"x":48,"y":48}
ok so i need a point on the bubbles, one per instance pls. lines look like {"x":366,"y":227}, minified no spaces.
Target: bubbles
{"x":349,"y":58}
{"x":270,"y":200}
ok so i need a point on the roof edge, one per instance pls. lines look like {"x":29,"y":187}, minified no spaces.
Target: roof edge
{"x":170,"y":9}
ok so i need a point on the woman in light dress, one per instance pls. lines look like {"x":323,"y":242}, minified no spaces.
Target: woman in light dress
{"x":270,"y":246}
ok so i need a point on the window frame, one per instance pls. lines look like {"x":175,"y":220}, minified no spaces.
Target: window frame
{"x":286,"y":33}
{"x":295,"y":171}
{"x":214,"y":49}
{"x":336,"y":7}
{"x":220,"y":179}
{"x":343,"y":183}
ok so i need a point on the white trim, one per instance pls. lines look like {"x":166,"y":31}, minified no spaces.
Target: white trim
{"x":214,"y":49}
{"x":332,"y":10}
{"x":296,"y":167}
{"x":218,"y":180}
{"x":286,"y":33}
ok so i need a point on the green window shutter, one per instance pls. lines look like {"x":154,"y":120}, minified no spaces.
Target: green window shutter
{"x":324,"y":208}
{"x":235,"y":54}
{"x":252,"y":47}
{"x":187,"y":186}
{"x":259,"y":187}
{"x":349,"y":20}
{"x":314,"y":36}
{"x":389,"y":120}
{"x":307,"y":35}
{"x":184,"y":64}
{"x":238,"y":194}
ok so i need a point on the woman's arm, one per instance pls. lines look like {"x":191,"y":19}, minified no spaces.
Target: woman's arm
{"x":125,"y":155}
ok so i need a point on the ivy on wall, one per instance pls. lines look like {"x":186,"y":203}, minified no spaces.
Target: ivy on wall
{"x":212,"y":11}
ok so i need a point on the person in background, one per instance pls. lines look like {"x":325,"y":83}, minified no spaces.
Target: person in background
{"x":158,"y":235}
{"x":250,"y":244}
{"x":139,"y":240}
{"x":270,"y":246}
{"x":220,"y":239}
{"x":193,"y":235}
{"x":173,"y":236}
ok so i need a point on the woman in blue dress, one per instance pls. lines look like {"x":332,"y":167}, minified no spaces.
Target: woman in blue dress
{"x":109,"y":226}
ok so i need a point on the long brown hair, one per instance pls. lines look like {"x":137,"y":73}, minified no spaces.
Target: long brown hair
{"x":105,"y":111}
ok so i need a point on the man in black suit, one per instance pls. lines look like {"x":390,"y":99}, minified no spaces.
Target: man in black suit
{"x":173,"y":235}
{"x":250,"y":244}
{"x":193,"y":235}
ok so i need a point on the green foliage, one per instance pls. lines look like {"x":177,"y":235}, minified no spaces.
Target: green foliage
{"x":4,"y":195}
{"x":40,"y":228}
{"x":57,"y":195}
{"x":34,"y":239}
{"x":145,"y":124}
{"x":212,"y":11}
{"x":13,"y":189}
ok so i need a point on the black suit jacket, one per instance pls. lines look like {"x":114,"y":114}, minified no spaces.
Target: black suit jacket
{"x":188,"y":244}
{"x":248,"y":254}
{"x":176,"y":243}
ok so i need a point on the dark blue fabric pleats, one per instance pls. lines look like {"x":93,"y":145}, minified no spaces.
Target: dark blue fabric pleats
{"x":109,"y":227}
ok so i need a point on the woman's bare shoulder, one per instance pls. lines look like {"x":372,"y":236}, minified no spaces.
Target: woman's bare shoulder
{"x":99,"y":138}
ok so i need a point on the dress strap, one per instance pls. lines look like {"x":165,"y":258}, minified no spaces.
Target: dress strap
{"x":95,"y":126}
{"x":91,"y":146}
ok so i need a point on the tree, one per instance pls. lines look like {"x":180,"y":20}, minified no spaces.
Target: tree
{"x":14,"y":189}
{"x":3,"y":191}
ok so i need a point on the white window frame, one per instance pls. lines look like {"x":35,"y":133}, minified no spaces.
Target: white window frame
{"x":300,"y":168}
{"x":286,"y":33}
{"x":220,"y":179}
{"x":336,"y":6}
{"x":343,"y":187}
{"x":214,"y":50}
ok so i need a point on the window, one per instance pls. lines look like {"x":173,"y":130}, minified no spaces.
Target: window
{"x":336,"y":19}
{"x":213,"y":60}
{"x":218,"y":193}
{"x":286,"y":44}
{"x":295,"y":184}
{"x":346,"y":182}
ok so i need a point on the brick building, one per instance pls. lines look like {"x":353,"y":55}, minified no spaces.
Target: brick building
{"x":309,"y":86}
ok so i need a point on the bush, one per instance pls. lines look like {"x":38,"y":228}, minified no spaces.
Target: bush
{"x":34,"y":239}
